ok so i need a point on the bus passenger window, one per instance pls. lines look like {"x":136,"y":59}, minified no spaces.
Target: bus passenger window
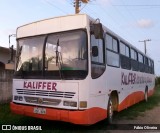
{"x":112,"y":51}
{"x":125,"y":56}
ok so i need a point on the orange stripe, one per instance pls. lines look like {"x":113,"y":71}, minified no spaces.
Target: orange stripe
{"x":133,"y":98}
{"x":86,"y":117}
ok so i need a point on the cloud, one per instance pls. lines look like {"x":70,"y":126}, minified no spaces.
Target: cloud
{"x":144,"y":23}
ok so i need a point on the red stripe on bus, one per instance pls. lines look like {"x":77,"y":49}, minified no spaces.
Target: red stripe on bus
{"x":133,"y":98}
{"x":86,"y":117}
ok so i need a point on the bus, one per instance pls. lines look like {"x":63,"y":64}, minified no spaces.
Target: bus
{"x":74,"y":69}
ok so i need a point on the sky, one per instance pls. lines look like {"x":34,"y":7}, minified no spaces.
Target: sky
{"x":133,"y":20}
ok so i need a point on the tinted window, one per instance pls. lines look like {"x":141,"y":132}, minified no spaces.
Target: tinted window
{"x":140,"y":58}
{"x":109,"y":42}
{"x":127,"y":51}
{"x":122,"y":49}
{"x":112,"y":59}
{"x":132,"y":54}
{"x":115,"y":45}
{"x":112,"y":51}
{"x":125,"y":54}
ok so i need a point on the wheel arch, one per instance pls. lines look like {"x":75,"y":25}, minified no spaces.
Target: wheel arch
{"x":115,"y":99}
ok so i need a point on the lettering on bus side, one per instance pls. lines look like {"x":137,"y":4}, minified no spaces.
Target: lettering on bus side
{"x":40,"y":85}
{"x":133,"y":78}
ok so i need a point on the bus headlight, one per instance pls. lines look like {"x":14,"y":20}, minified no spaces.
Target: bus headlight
{"x":83,"y":104}
{"x":70,"y":103}
{"x":18,"y":98}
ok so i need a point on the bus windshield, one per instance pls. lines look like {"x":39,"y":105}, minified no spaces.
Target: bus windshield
{"x":54,"y":56}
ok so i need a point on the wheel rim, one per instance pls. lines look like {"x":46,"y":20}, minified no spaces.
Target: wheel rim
{"x":146,"y":96}
{"x":110,"y":112}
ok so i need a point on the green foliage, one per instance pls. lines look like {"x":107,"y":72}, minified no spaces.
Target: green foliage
{"x":157,"y":81}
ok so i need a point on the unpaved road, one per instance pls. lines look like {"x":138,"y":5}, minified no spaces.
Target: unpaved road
{"x":148,"y":117}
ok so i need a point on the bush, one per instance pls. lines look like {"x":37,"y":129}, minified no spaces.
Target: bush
{"x":157,"y":81}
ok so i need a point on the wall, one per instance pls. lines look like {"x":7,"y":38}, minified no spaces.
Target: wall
{"x":6,"y":85}
{"x":4,"y":56}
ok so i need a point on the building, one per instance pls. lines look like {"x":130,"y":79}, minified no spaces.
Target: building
{"x":5,"y":58}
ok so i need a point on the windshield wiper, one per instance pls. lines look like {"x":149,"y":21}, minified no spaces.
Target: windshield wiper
{"x":59,"y":61}
{"x":57,"y":52}
{"x":19,"y":61}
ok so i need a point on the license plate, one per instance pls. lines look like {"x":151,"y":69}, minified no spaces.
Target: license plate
{"x":39,"y":110}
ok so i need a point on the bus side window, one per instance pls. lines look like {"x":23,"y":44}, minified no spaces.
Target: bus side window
{"x":112,"y":51}
{"x":134,"y":60}
{"x":141,"y":62}
{"x":146,"y":65}
{"x":152,"y":67}
{"x":125,"y":56}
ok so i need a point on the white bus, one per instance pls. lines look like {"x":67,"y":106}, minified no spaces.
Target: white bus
{"x":74,"y":69}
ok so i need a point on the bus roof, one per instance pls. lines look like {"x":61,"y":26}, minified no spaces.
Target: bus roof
{"x":52,"y":25}
{"x":63,"y":23}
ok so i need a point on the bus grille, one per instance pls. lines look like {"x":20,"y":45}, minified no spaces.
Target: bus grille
{"x":45,"y":101}
{"x":46,"y":93}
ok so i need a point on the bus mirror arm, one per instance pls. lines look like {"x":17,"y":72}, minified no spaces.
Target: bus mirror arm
{"x":97,"y":30}
{"x":11,"y":54}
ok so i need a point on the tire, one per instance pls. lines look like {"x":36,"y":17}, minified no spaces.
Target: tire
{"x":146,"y":95}
{"x":110,"y":111}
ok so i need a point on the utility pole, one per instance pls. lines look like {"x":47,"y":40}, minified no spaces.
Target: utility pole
{"x":77,"y":5}
{"x":144,"y":41}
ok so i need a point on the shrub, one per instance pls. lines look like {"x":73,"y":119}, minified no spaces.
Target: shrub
{"x":157,"y":81}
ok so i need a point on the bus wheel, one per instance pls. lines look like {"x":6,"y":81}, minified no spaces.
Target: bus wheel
{"x":146,"y":95}
{"x":110,"y":111}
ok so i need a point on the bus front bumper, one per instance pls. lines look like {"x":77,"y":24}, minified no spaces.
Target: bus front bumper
{"x":85,"y":117}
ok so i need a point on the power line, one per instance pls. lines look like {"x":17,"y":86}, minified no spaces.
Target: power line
{"x":131,"y":15}
{"x":139,"y":5}
{"x":48,"y":2}
{"x":83,"y":7}
{"x":115,"y":20}
{"x":89,"y":11}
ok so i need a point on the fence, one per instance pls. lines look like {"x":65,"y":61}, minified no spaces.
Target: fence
{"x":6,"y":85}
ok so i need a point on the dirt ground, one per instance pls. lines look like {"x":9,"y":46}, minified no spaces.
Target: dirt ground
{"x":148,"y":117}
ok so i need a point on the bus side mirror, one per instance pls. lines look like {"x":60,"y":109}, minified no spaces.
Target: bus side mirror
{"x":94,"y":51}
{"x":97,"y":30}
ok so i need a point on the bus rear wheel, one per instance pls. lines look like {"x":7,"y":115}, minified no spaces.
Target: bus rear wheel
{"x":110,"y":111}
{"x":146,"y":95}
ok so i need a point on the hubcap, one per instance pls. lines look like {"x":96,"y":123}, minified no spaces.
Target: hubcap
{"x":146,"y":96}
{"x":110,"y":109}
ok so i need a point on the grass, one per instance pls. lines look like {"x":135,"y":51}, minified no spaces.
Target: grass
{"x":6,"y":117}
{"x":139,"y":108}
